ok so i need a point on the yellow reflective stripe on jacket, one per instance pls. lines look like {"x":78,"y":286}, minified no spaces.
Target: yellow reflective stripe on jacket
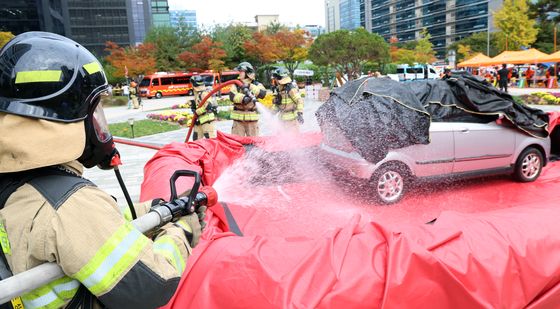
{"x":201,"y":110}
{"x":4,"y":241}
{"x":206,"y":118}
{"x":235,"y":115}
{"x":38,"y":76}
{"x":166,"y":246}
{"x":52,"y":295}
{"x":287,"y":116}
{"x":92,"y":67}
{"x":119,"y":253}
{"x":127,"y":214}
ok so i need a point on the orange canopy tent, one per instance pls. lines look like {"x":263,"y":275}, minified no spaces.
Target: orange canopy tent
{"x":473,"y":62}
{"x":553,"y":57}
{"x":517,"y":57}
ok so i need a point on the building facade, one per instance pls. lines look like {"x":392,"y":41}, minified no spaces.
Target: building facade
{"x":446,"y":20}
{"x":332,"y":15}
{"x":185,"y":17}
{"x":349,"y":14}
{"x":314,"y":30}
{"x":263,"y":21}
{"x":160,"y":13}
{"x":90,"y":23}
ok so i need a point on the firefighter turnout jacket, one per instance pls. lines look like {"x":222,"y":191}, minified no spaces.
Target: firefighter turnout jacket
{"x":288,"y":102}
{"x":203,"y":115}
{"x":85,"y":233}
{"x":247,"y":111}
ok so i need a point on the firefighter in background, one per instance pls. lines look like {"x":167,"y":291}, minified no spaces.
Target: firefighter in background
{"x":49,"y":102}
{"x":204,"y":126}
{"x":244,"y":115}
{"x":134,"y":95}
{"x":287,"y":101}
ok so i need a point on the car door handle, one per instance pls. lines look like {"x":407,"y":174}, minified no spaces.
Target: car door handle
{"x":464,"y":130}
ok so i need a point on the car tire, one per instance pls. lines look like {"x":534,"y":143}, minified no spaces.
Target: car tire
{"x":158,"y":95}
{"x":149,"y":98}
{"x":190,"y":93}
{"x":389,"y":183}
{"x":529,"y":165}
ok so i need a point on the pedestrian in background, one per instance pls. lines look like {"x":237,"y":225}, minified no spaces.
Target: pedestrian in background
{"x":503,"y":78}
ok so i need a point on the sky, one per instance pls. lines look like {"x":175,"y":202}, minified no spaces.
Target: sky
{"x":292,"y":12}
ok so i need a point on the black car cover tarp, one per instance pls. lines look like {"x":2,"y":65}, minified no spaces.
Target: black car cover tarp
{"x":379,"y":114}
{"x":375,"y":115}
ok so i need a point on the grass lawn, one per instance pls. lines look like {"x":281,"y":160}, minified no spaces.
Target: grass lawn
{"x":142,"y":128}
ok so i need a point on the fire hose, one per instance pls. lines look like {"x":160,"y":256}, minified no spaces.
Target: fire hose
{"x":208,"y":96}
{"x":158,"y":216}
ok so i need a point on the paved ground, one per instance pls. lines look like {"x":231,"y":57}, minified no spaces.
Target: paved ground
{"x":134,"y":158}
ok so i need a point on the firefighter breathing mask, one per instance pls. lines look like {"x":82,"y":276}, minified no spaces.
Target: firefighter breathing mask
{"x":50,"y":77}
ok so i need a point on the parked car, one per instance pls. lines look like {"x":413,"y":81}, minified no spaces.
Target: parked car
{"x":456,"y":150}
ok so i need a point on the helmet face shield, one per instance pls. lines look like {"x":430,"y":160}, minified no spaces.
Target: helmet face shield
{"x":100,"y":125}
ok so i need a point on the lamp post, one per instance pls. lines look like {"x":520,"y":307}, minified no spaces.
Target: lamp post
{"x":131,"y":123}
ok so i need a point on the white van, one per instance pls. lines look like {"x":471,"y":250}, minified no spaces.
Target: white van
{"x":415,"y":72}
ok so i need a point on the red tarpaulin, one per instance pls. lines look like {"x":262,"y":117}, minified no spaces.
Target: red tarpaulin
{"x":311,"y":242}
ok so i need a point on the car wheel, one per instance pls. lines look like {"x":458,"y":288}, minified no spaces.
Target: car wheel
{"x":389,"y":184}
{"x":190,"y":92}
{"x":149,"y":98}
{"x":529,"y":165}
{"x":158,"y":95}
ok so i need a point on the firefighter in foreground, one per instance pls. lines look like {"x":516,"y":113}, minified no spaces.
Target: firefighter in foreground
{"x":50,"y":88}
{"x":287,"y":101}
{"x":244,"y":115}
{"x":204,"y":126}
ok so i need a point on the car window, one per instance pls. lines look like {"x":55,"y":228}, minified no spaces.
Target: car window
{"x":180,"y":80}
{"x":166,"y":81}
{"x":145,"y":82}
{"x":155,"y":82}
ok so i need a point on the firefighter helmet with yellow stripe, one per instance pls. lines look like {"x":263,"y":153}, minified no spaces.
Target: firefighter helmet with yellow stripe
{"x":49,"y":77}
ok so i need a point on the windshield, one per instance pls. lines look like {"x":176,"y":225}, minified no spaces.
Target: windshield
{"x":145,"y":82}
{"x":208,"y":80}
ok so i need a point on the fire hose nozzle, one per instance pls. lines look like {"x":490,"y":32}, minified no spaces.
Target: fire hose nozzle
{"x":206,"y":196}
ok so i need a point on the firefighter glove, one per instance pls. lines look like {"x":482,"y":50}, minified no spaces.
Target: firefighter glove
{"x":300,"y":118}
{"x":247,"y":99}
{"x":191,"y":226}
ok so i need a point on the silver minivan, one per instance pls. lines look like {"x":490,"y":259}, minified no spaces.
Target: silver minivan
{"x":456,"y":149}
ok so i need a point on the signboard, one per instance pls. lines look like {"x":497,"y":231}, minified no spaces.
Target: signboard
{"x":303,"y":72}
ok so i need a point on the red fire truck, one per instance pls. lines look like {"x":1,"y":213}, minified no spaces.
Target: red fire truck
{"x":165,"y":84}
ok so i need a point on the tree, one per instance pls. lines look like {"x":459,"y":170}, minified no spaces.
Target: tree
{"x":205,"y":55}
{"x":139,"y":60}
{"x":464,"y":52}
{"x":478,"y":43}
{"x":405,"y":56}
{"x":167,"y":46}
{"x":424,"y":50}
{"x":347,"y":51}
{"x":233,"y":37}
{"x":259,"y":49}
{"x":291,"y":47}
{"x":5,"y":37}
{"x":517,"y":29}
{"x":547,"y":14}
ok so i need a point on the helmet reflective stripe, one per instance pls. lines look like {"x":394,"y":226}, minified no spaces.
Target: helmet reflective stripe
{"x":38,"y":76}
{"x":92,"y":67}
